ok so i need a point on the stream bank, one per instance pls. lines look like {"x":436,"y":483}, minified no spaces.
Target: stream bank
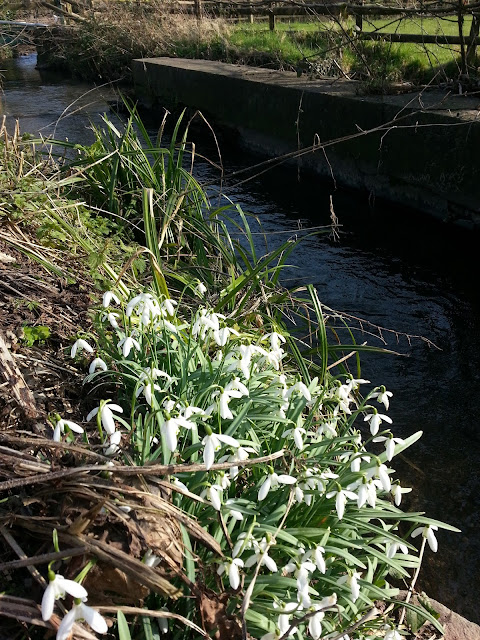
{"x":415,"y":150}
{"x":384,"y":271}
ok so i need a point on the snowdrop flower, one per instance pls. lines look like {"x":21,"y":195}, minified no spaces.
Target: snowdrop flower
{"x":206,"y":321}
{"x":112,"y":319}
{"x":375,"y":419}
{"x":168,"y":306}
{"x":381,"y":472}
{"x":351,"y":581}
{"x":108,"y":296}
{"x":393,"y":547}
{"x":200,"y":289}
{"x":212,"y":443}
{"x":125,"y":345}
{"x":356,"y":463}
{"x":261,"y":556}
{"x":80,"y":345}
{"x":342,"y":495}
{"x":213,"y":495}
{"x":60,"y":428}
{"x":221,"y":336}
{"x":171,"y":427}
{"x":272,"y":481}
{"x":302,"y":389}
{"x":240,"y":454}
{"x":233,"y":570}
{"x":81,"y":611}
{"x":319,"y":559}
{"x":315,"y":623}
{"x":389,"y":444}
{"x":145,"y":305}
{"x":367,"y":493}
{"x":150,"y":559}
{"x":57,"y":587}
{"x":428,"y":532}
{"x":234,"y":389}
{"x":392,"y":634}
{"x":98,"y":363}
{"x":236,"y":515}
{"x":397,"y":492}
{"x":382,"y":396}
{"x":112,"y":446}
{"x":106,"y":415}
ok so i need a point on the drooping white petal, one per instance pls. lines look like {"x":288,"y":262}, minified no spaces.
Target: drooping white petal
{"x":208,"y":451}
{"x":98,"y":363}
{"x":93,"y":618}
{"x":92,"y":413}
{"x":228,"y":440}
{"x":73,"y":588}
{"x":265,"y":488}
{"x":73,"y":426}
{"x":48,"y":602}
{"x":66,"y":625}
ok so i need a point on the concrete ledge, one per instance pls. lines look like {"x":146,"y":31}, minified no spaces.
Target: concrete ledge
{"x":426,"y":157}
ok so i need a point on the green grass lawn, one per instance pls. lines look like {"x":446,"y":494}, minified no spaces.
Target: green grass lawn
{"x":293,"y":40}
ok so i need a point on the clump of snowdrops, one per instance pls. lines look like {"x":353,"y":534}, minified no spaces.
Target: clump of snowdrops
{"x":293,"y":476}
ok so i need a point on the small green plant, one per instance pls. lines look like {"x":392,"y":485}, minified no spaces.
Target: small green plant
{"x":38,"y":333}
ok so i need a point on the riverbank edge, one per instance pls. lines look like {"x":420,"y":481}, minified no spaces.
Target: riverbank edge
{"x":415,"y":150}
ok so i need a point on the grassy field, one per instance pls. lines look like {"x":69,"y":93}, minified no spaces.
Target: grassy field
{"x":317,"y":39}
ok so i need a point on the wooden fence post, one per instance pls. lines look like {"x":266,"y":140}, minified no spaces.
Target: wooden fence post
{"x":198,"y":8}
{"x":359,"y":18}
{"x":271,"y":20}
{"x":472,"y":45}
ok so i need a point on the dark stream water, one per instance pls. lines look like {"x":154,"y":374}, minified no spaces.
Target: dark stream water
{"x":394,"y":268}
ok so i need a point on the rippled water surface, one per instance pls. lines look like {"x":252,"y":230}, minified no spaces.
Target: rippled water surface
{"x":392,"y":267}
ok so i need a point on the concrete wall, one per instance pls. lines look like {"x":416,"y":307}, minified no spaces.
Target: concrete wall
{"x":421,"y":151}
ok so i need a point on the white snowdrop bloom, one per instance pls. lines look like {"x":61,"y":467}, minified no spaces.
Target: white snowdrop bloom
{"x":108,"y":296}
{"x":245,"y":541}
{"x":328,"y":429}
{"x":213,"y":495}
{"x":200,"y":289}
{"x":428,"y":532}
{"x":382,"y":396}
{"x":315,"y":623}
{"x":221,"y":336}
{"x":356,"y":463}
{"x":319,"y":559}
{"x":272,"y":481}
{"x":112,"y":319}
{"x":145,"y":306}
{"x":390,"y":442}
{"x":246,"y":353}
{"x":98,"y":363}
{"x":393,"y":547}
{"x":276,"y":340}
{"x":212,"y":443}
{"x":356,"y":382}
{"x":341,"y":497}
{"x":205,"y":322}
{"x":236,"y":515}
{"x":397,"y":492}
{"x":240,"y":454}
{"x":392,"y":634}
{"x":260,"y":553}
{"x":351,"y":581}
{"x":110,"y":448}
{"x":233,"y":570}
{"x":170,"y":429}
{"x":80,"y":345}
{"x":375,"y":419}
{"x":234,"y":389}
{"x":150,"y":559}
{"x":81,"y":612}
{"x":367,"y":493}
{"x":126,"y":344}
{"x":284,"y":619}
{"x":57,"y":587}
{"x":300,"y":388}
{"x":178,"y":483}
{"x":382,"y":474}
{"x":106,"y":415}
{"x":168,"y":306}
{"x":60,"y":428}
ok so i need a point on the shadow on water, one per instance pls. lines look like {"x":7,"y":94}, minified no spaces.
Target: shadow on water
{"x":393,"y":267}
